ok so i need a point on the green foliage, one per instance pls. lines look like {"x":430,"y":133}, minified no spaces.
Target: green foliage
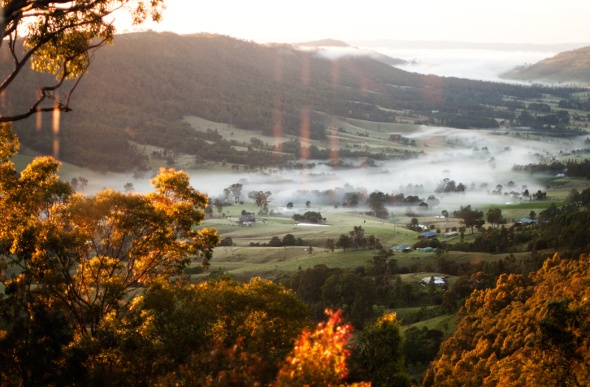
{"x":309,"y":216}
{"x":421,"y":345}
{"x":378,"y":353}
{"x":469,"y":217}
{"x":353,"y":294}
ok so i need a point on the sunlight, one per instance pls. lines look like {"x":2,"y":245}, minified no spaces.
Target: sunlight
{"x":304,"y":131}
{"x":277,"y":112}
{"x":38,"y":121}
{"x":55,"y":129}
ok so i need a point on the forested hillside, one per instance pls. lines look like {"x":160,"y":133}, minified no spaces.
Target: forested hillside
{"x":139,"y":89}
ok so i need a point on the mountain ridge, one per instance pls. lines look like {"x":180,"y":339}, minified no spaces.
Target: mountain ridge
{"x":139,"y":90}
{"x":571,"y":67}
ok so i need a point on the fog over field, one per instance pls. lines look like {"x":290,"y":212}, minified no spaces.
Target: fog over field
{"x":452,"y":154}
{"x":481,"y":64}
{"x":479,"y":159}
{"x":486,"y":63}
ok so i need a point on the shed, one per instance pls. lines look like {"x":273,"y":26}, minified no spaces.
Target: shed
{"x":428,"y":234}
{"x":438,"y":280}
{"x":527,"y":221}
{"x":427,"y":249}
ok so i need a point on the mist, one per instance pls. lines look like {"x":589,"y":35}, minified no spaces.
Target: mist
{"x":477,"y":64}
{"x":479,"y":159}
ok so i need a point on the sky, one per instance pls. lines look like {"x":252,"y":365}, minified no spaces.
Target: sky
{"x":499,"y":21}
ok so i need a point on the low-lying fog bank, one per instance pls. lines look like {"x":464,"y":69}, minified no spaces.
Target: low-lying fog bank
{"x":480,"y":160}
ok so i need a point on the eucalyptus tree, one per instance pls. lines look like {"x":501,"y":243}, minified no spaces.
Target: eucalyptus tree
{"x":59,"y":37}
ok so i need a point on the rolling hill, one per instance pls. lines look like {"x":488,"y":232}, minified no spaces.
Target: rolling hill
{"x":569,"y":67}
{"x":139,"y":91}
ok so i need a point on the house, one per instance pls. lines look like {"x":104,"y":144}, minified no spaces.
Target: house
{"x":527,"y":221}
{"x":427,"y":235}
{"x":246,"y":220}
{"x":438,"y":280}
{"x":450,"y":234}
{"x":402,"y":249}
{"x":427,"y":250}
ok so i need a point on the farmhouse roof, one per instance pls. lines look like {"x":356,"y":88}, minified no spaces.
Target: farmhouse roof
{"x":438,"y":280}
{"x":527,"y":221}
{"x":427,"y":234}
{"x":427,"y":249}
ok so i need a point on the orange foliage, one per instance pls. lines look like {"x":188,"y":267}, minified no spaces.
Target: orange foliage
{"x":522,"y":332}
{"x":319,"y":357}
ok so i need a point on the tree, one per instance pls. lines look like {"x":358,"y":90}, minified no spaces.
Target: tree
{"x":275,"y":241}
{"x":378,"y":264}
{"x":357,"y":237}
{"x":226,"y":194}
{"x":236,"y":191}
{"x":378,"y":353}
{"x":344,"y":242}
{"x":289,"y":240}
{"x":290,"y":205}
{"x":128,"y":187}
{"x":352,"y":293}
{"x":218,"y":204}
{"x":494,"y":216}
{"x":61,"y":38}
{"x":376,"y":202}
{"x":524,"y":331}
{"x":470,"y":218}
{"x":330,"y":245}
{"x":319,"y":357}
{"x":261,"y":199}
{"x":90,"y":256}
{"x":421,"y":345}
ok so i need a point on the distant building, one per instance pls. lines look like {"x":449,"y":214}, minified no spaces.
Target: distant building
{"x":450,"y":234}
{"x":426,"y":250}
{"x":246,"y":220}
{"x":427,"y":235}
{"x":402,"y":249}
{"x":438,"y":280}
{"x":527,"y":221}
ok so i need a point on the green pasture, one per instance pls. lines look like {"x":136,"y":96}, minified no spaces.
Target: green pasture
{"x":445,"y":323}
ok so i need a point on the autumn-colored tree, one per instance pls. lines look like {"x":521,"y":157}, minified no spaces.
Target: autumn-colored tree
{"x":60,"y":38}
{"x":522,"y":332}
{"x":78,"y":259}
{"x":319,"y":357}
{"x":196,"y":334}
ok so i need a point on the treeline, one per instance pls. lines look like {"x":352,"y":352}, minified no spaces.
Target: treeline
{"x":574,"y":168}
